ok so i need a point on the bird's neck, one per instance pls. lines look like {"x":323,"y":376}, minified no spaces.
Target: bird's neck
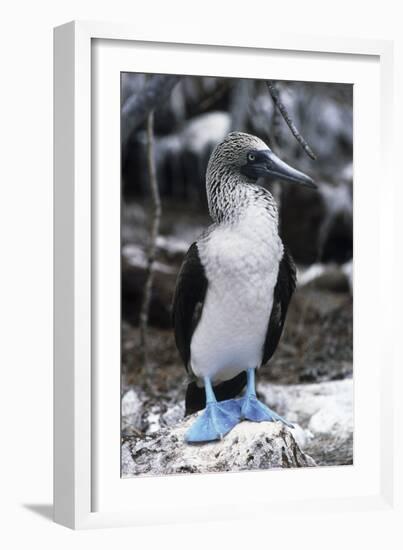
{"x":232,"y":196}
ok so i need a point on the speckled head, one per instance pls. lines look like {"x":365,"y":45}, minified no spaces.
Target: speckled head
{"x":233,"y":151}
{"x":247,"y":157}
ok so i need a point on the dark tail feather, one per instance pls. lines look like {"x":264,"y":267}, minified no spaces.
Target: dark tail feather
{"x":196,"y":399}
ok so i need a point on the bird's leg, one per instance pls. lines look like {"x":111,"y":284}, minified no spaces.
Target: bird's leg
{"x":217,"y":419}
{"x":253,"y":409}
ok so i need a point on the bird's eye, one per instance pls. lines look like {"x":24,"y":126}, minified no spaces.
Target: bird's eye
{"x":251,"y":157}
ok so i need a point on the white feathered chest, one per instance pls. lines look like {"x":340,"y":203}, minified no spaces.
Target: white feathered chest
{"x":241,"y":262}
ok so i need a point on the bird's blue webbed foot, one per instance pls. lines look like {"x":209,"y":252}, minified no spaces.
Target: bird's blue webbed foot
{"x":256,"y":411}
{"x":253,"y":409}
{"x":217,"y":419}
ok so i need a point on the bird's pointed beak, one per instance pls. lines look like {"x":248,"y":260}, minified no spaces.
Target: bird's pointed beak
{"x":278,"y":169}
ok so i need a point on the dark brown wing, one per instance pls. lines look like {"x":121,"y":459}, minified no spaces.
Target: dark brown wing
{"x":191,"y":287}
{"x":285,"y":286}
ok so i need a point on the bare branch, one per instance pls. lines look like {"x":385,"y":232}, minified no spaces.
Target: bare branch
{"x":136,"y":109}
{"x":155,"y":225}
{"x":209,"y":100}
{"x":281,"y":107}
{"x":239,"y":104}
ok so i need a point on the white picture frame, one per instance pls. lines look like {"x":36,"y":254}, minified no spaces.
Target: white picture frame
{"x":88,"y":491}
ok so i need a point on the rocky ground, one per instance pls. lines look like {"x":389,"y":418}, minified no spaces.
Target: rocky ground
{"x":249,"y":446}
{"x":322,"y":415}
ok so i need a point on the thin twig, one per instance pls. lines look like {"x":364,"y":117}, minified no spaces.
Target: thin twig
{"x":275,"y":134}
{"x":276,"y":187}
{"x":155,"y":225}
{"x":281,"y":107}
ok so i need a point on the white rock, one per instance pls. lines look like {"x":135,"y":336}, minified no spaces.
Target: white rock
{"x":173,"y":415}
{"x":136,"y":257}
{"x":323,"y":411}
{"x":249,"y":446}
{"x":206,"y":130}
{"x":153,"y":419}
{"x":306,"y":276}
{"x":349,"y":273}
{"x":131,"y":411}
{"x":301,"y":436}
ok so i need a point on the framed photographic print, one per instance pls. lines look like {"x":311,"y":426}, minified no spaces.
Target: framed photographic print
{"x":212,"y":203}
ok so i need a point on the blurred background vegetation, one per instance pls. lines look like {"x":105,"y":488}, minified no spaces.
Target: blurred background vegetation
{"x":317,"y":226}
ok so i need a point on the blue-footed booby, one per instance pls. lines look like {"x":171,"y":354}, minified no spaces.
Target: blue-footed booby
{"x":233,"y":288}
